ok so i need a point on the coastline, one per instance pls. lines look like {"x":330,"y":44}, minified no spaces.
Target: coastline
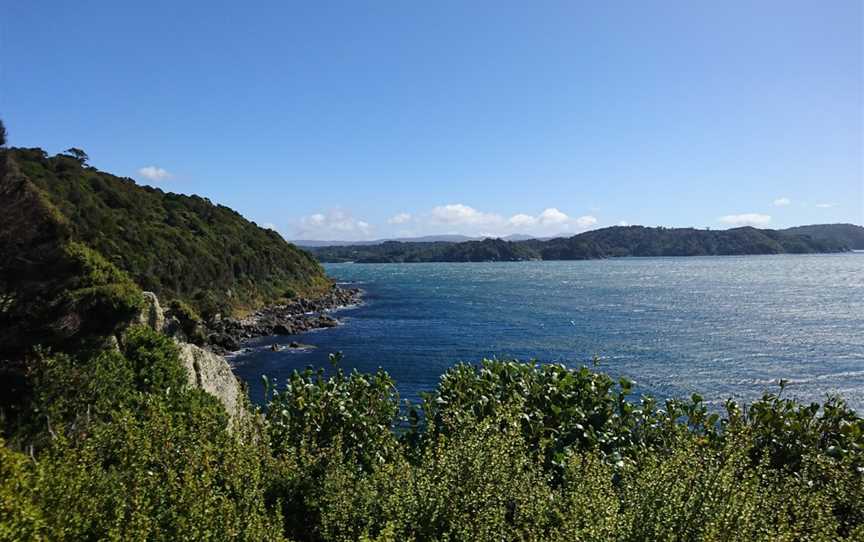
{"x":227,"y":335}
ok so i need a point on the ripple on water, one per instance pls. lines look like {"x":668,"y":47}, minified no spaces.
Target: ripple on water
{"x":719,"y":326}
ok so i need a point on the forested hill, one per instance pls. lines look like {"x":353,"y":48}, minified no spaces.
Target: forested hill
{"x":180,"y":247}
{"x":849,"y":234}
{"x":604,"y":243}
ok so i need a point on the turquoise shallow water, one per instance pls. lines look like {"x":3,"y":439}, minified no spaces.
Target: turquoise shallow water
{"x":720,"y":326}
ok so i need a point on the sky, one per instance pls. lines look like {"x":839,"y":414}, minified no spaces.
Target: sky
{"x":371,"y":119}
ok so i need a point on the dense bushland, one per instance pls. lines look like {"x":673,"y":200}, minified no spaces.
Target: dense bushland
{"x":116,"y":447}
{"x":180,"y":247}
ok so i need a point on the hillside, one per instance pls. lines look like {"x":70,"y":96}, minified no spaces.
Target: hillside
{"x":180,"y":247}
{"x":849,"y":234}
{"x":77,"y":247}
{"x":604,"y":243}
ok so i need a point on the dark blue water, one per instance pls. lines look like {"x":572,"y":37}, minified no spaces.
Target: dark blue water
{"x":721,"y":326}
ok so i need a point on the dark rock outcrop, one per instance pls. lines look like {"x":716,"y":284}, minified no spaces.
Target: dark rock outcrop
{"x":298,"y":316}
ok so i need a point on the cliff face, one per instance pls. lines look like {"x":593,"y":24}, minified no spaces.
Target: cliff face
{"x":204,"y":369}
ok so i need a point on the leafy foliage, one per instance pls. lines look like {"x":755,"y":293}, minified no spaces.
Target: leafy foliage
{"x":71,"y":294}
{"x":180,"y":247}
{"x":127,"y":452}
{"x":500,"y":451}
{"x":604,"y":243}
{"x":356,"y":409}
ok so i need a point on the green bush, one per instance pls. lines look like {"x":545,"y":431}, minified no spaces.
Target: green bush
{"x":127,"y":451}
{"x":501,"y":451}
{"x":314,"y":411}
{"x":560,"y":410}
{"x":190,"y":322}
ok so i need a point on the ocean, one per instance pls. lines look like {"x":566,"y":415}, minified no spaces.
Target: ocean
{"x":723,"y":327}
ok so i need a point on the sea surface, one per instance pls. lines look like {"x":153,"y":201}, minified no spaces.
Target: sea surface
{"x":720,"y":326}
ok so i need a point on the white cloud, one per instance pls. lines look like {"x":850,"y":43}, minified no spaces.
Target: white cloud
{"x":457,"y":214}
{"x":400,"y":218}
{"x":746,"y":219}
{"x":522,"y":220}
{"x":269,"y":226}
{"x":825,"y":205}
{"x":553,"y":216}
{"x":782,"y":202}
{"x":154,"y":173}
{"x":335,"y":224}
{"x":470,"y":221}
{"x":550,"y":218}
{"x":623,"y":223}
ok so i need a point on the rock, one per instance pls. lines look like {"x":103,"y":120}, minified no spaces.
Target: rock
{"x":225,"y":341}
{"x":326,"y":321}
{"x":211,"y":373}
{"x":204,"y":369}
{"x":151,"y":314}
{"x":282,"y":329}
{"x":290,"y":318}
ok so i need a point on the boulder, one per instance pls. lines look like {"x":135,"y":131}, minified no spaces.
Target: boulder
{"x":282,"y":329}
{"x":151,"y":314}
{"x":212,"y":374}
{"x":326,"y":321}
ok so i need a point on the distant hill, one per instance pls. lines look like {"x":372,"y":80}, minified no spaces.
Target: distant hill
{"x":603,"y":243}
{"x":849,"y":234}
{"x":422,"y":239}
{"x":451,"y":238}
{"x":76,"y":240}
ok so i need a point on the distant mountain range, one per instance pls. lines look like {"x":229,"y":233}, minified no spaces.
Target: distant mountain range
{"x":611,"y":242}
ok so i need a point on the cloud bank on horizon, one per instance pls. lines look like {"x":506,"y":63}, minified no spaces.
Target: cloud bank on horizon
{"x":461,"y":219}
{"x":452,"y":218}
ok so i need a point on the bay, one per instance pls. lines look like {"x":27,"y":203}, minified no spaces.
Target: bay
{"x":724,"y":327}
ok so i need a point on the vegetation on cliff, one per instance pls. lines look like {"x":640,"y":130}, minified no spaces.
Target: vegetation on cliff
{"x":78,"y":247}
{"x":604,"y":243}
{"x":180,"y":247}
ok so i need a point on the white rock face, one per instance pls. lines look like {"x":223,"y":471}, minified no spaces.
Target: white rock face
{"x":212,"y":374}
{"x":205,"y":370}
{"x":151,"y":315}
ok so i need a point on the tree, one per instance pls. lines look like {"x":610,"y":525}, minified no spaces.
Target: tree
{"x":78,"y":154}
{"x":2,"y":134}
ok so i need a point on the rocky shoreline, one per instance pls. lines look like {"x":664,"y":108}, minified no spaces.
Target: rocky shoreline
{"x":229,"y":334}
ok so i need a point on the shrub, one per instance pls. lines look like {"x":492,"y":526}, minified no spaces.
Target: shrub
{"x":313,"y":411}
{"x":503,"y":451}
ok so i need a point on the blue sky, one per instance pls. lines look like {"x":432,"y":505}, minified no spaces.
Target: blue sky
{"x":349,"y":120}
